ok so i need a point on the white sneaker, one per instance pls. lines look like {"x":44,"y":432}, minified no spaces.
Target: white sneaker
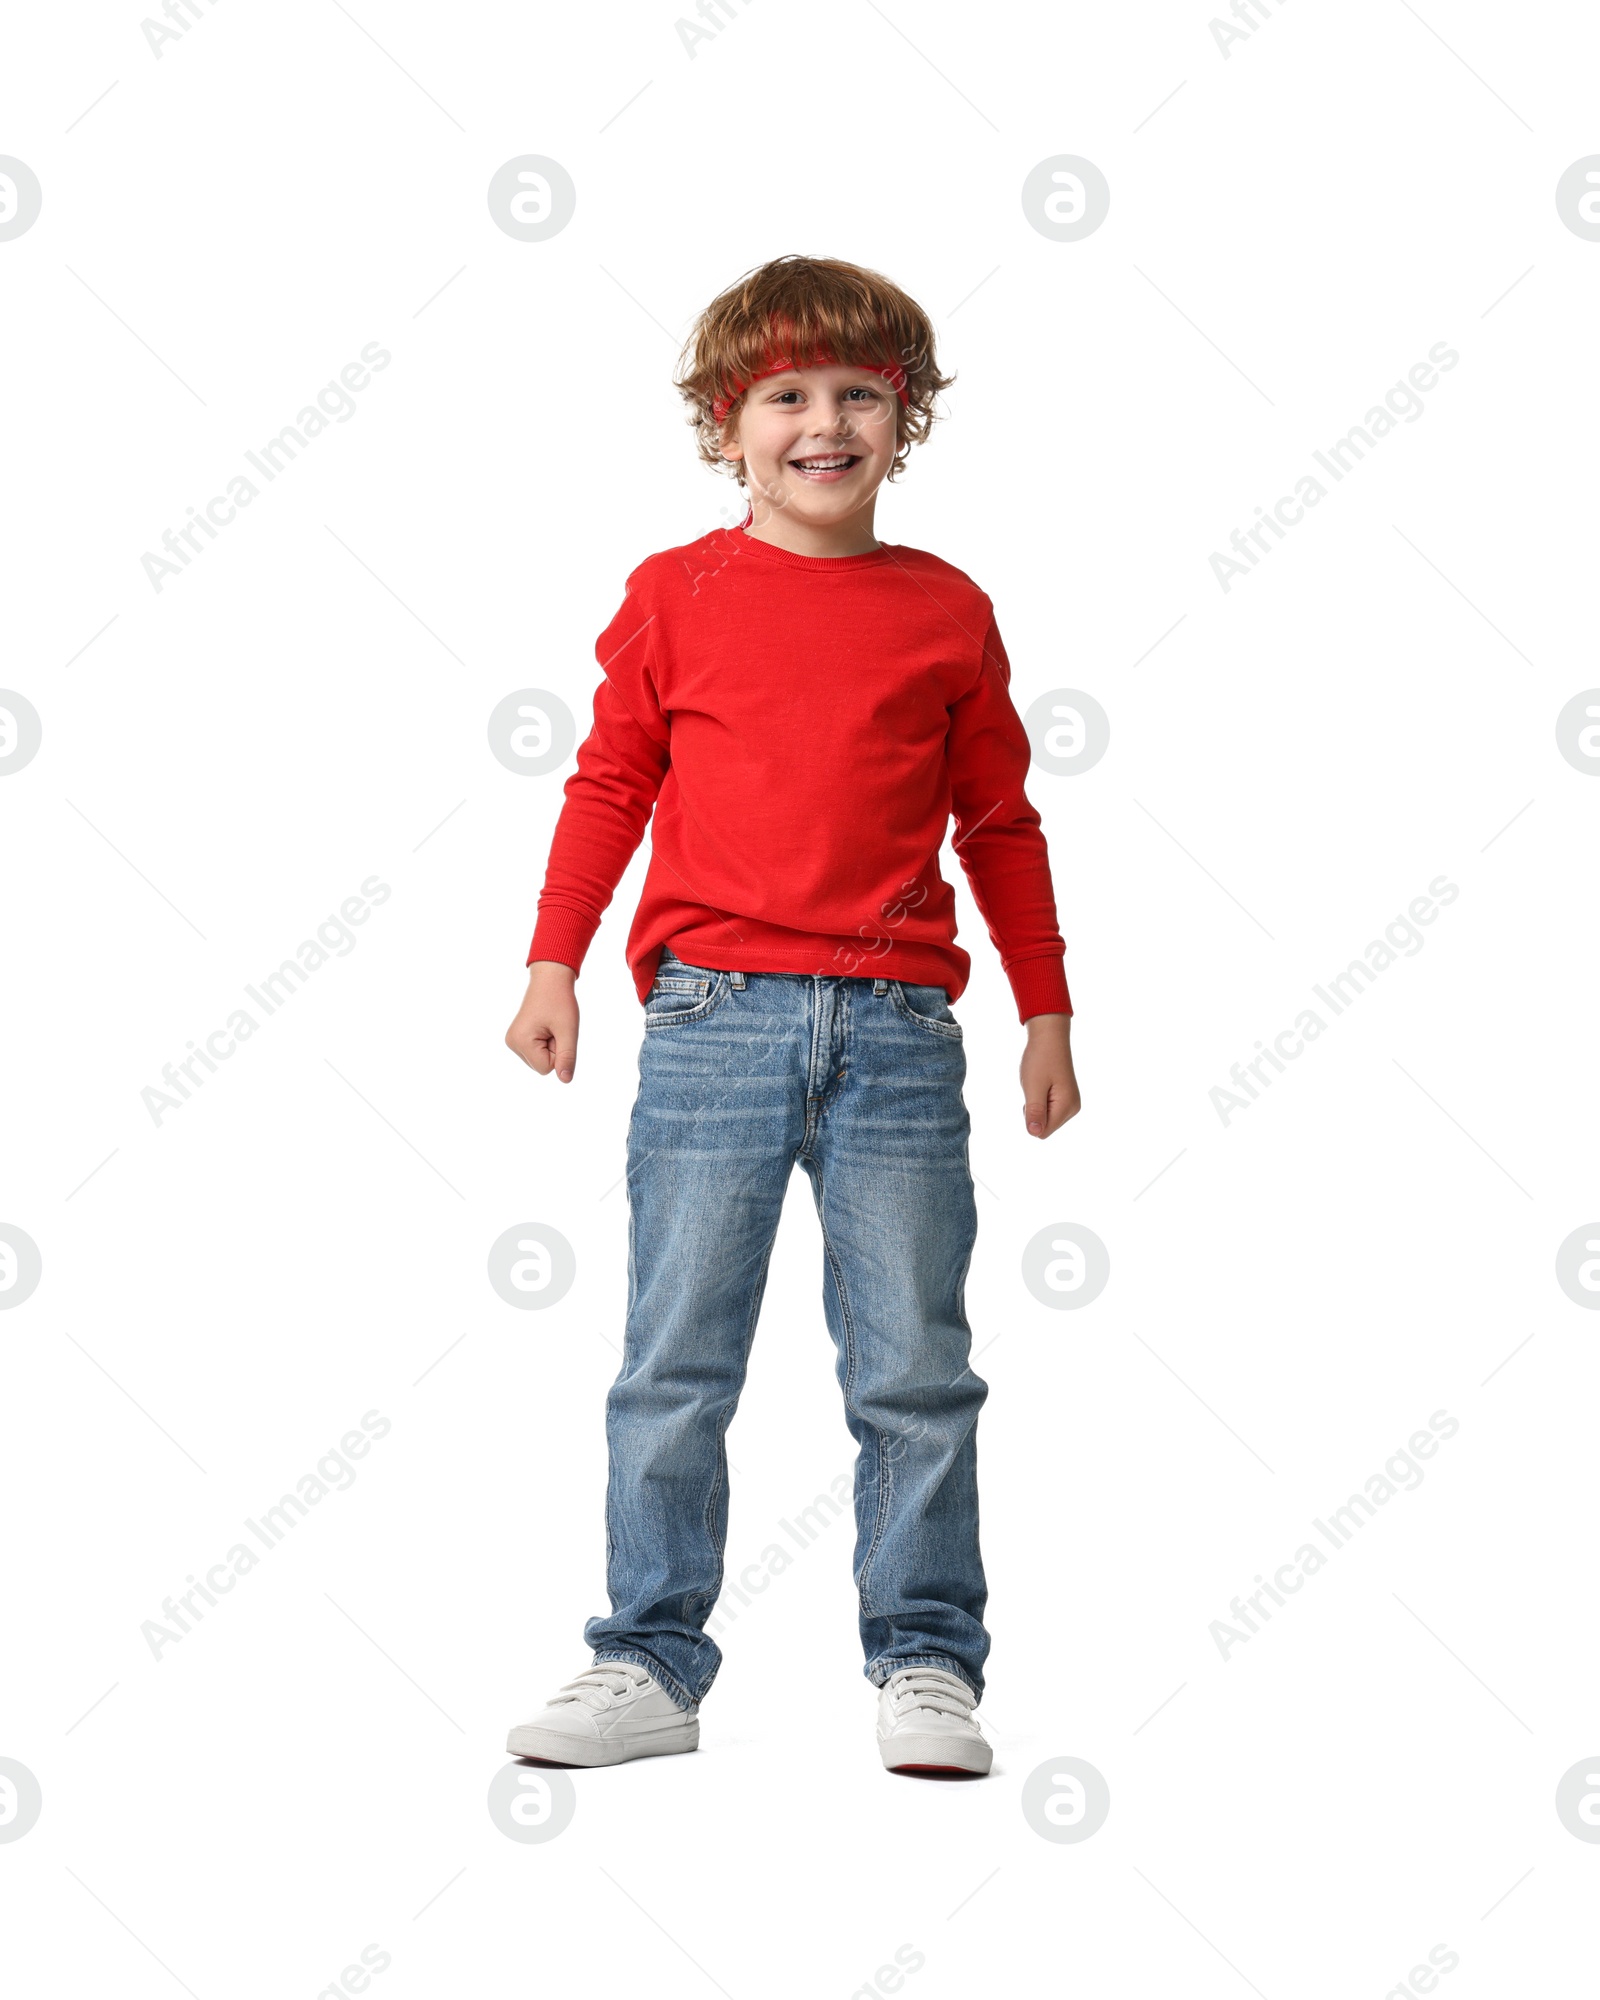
{"x":610,"y":1712}
{"x":925,"y":1723}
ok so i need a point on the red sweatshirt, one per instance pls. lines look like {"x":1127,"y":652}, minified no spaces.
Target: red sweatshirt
{"x":804,"y":727}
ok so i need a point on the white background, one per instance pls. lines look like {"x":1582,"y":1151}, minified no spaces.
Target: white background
{"x":1292,"y":227}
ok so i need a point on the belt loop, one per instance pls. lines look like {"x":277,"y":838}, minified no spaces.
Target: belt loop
{"x":880,"y":987}
{"x":738,"y":981}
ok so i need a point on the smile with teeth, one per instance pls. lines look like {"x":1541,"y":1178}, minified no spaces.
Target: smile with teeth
{"x":831,"y":465}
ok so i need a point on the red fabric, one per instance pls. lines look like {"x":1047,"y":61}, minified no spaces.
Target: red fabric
{"x":776,"y":364}
{"x":804,"y":727}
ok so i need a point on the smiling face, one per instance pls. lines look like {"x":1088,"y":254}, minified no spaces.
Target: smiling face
{"x":816,"y":442}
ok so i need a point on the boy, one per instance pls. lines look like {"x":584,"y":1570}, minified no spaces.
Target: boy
{"x":804,"y":706}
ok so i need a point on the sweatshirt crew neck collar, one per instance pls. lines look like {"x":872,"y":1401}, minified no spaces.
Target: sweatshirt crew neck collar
{"x":869,"y":559}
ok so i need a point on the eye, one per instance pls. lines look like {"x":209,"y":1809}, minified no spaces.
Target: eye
{"x":861,"y":389}
{"x":783,"y":395}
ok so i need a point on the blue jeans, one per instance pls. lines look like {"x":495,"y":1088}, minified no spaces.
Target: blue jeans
{"x":859,"y":1079}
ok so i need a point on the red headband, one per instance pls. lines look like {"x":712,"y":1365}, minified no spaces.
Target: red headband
{"x":891,"y":372}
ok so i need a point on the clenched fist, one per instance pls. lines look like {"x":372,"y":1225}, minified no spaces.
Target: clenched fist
{"x":545,"y":1032}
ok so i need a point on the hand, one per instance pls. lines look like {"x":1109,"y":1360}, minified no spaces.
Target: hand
{"x":545,"y":1032}
{"x":1049,"y":1085}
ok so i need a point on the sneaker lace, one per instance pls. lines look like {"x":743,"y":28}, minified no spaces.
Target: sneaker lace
{"x":931,"y":1688}
{"x":600,"y":1685}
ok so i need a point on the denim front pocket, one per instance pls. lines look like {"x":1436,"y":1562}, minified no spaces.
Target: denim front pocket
{"x":926,"y":1007}
{"x":683,"y":994}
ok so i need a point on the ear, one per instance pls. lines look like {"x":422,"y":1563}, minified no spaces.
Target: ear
{"x":730,"y":447}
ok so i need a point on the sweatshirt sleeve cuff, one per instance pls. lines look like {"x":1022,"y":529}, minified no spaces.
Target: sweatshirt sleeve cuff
{"x":564,"y":935}
{"x":1040,"y":987}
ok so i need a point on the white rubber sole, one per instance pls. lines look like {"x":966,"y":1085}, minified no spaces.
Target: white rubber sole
{"x":589,"y":1751}
{"x":936,"y":1751}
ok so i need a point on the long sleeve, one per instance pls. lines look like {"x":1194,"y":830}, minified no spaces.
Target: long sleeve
{"x":999,"y":837}
{"x":609,"y":797}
